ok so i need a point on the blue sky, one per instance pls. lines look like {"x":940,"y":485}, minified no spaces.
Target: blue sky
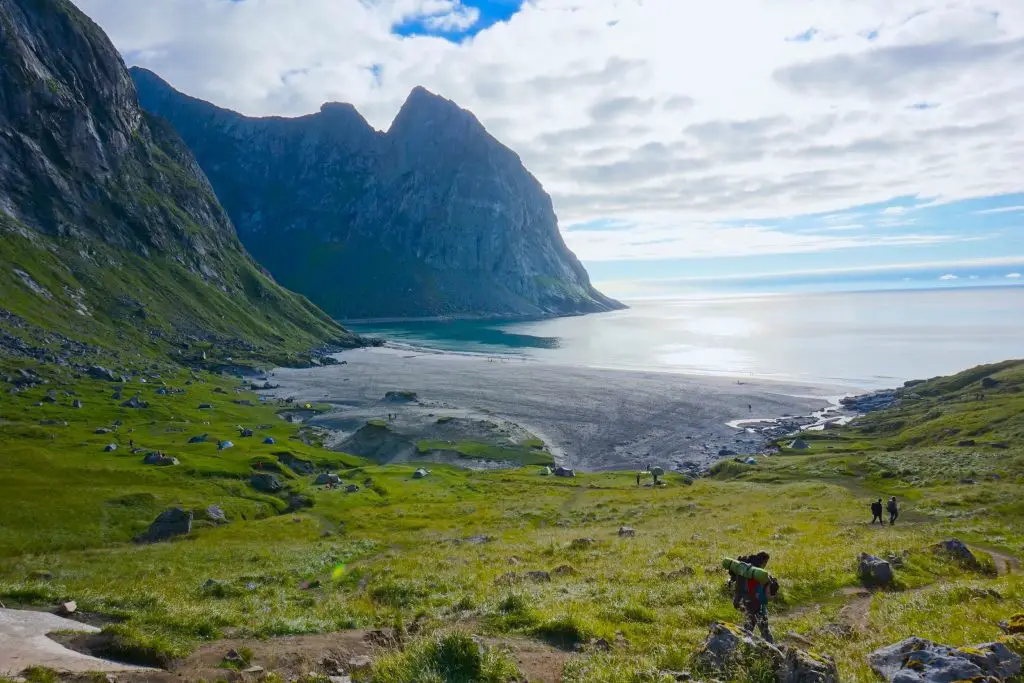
{"x":677,"y":143}
{"x":481,"y":15}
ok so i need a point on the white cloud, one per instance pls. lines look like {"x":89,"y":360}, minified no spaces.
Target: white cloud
{"x":895,"y":210}
{"x":1014,"y":276}
{"x":637,"y":111}
{"x":949,"y":277}
{"x":1002,"y":209}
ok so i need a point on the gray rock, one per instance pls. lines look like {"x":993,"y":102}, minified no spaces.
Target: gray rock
{"x":198,"y":439}
{"x":420,"y":473}
{"x":215,"y":514}
{"x":539,"y":576}
{"x":729,"y":650}
{"x":627,"y":531}
{"x":266,"y":483}
{"x":874,"y":570}
{"x":102,"y":430}
{"x":135,"y":402}
{"x":159,"y":459}
{"x":916,"y":660}
{"x":959,"y":551}
{"x":327,"y":478}
{"x":100,"y":372}
{"x":169,"y":523}
{"x":351,"y":488}
{"x":564,"y":472}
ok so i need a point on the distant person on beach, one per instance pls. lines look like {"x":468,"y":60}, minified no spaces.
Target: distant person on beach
{"x":876,"y":512}
{"x":894,"y":511}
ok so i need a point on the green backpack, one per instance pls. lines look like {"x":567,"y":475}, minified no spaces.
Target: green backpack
{"x":746,"y":571}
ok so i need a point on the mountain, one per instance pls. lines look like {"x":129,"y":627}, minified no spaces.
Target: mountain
{"x":109,"y":230}
{"x":434,"y":217}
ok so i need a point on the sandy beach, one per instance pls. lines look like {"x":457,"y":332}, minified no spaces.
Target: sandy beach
{"x":592,"y":419}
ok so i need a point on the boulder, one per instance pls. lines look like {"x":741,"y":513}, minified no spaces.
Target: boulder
{"x":351,"y":488}
{"x":627,"y":531}
{"x":198,"y":439}
{"x":916,"y":660}
{"x":874,"y":570}
{"x":159,"y":459}
{"x":135,"y":402}
{"x":169,"y":523}
{"x":728,"y":650}
{"x":564,"y":472}
{"x":215,"y":514}
{"x":267,"y":483}
{"x":205,"y":406}
{"x":327,"y":478}
{"x":420,"y":473}
{"x":100,"y":372}
{"x":959,"y":551}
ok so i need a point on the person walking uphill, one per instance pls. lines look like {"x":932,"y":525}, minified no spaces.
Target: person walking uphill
{"x":894,"y":510}
{"x":876,"y":512}
{"x":754,"y":586}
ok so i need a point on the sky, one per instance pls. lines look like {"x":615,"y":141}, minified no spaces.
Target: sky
{"x":680,"y":140}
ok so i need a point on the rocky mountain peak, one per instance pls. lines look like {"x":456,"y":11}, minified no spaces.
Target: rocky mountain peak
{"x":431,"y":118}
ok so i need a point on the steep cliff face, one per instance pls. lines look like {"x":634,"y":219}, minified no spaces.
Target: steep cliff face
{"x":103,"y":208}
{"x":434,"y":217}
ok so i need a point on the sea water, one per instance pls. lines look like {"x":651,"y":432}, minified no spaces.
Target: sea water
{"x":856,"y":339}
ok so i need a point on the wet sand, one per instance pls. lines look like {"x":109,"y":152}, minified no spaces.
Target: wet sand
{"x":592,"y":419}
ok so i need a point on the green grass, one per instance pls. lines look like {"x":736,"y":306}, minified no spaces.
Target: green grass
{"x":524,"y":454}
{"x":399,"y":548}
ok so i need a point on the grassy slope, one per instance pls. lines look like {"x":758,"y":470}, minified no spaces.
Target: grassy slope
{"x":69,"y":508}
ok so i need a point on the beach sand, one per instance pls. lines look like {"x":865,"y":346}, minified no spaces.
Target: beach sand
{"x":592,"y":419}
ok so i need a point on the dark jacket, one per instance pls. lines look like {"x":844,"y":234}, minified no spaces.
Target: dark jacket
{"x":876,"y":509}
{"x":891,"y":506}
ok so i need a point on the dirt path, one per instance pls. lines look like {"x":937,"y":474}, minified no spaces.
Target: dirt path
{"x":329,"y":653}
{"x":1005,"y":564}
{"x":24,"y":643}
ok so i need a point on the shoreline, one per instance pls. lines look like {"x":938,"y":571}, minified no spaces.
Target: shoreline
{"x":593,"y":419}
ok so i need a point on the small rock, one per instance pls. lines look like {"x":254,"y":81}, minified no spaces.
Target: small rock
{"x":581,"y":543}
{"x":216,"y":514}
{"x":198,"y":439}
{"x":627,"y":531}
{"x":565,"y":570}
{"x":360,"y":663}
{"x":351,"y":488}
{"x":102,"y":430}
{"x":110,"y":448}
{"x":69,"y":607}
{"x":600,"y":644}
{"x":539,"y":576}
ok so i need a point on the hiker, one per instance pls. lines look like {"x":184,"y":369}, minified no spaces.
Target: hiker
{"x":131,"y":444}
{"x":750,"y":407}
{"x":751,"y":596}
{"x":876,"y":512}
{"x":638,"y":479}
{"x":894,"y":510}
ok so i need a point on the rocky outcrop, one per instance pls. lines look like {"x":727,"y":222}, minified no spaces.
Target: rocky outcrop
{"x":432,"y":218}
{"x":729,"y":650}
{"x":916,"y":660}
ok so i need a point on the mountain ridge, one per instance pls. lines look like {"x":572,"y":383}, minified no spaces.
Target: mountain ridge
{"x":432,"y":218}
{"x":110,"y":230}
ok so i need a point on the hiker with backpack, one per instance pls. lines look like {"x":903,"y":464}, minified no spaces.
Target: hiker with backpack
{"x":894,"y":511}
{"x":754,"y":586}
{"x":876,"y":512}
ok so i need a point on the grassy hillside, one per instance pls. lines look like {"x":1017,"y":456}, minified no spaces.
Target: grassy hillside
{"x":456,"y":549}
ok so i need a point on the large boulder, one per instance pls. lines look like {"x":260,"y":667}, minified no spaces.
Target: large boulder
{"x":564,"y":472}
{"x":168,"y":524}
{"x":729,"y":650}
{"x":874,"y":570}
{"x":135,"y":402}
{"x":916,"y":660}
{"x":267,"y":483}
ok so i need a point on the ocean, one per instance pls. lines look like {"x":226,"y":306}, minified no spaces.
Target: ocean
{"x":860,"y":340}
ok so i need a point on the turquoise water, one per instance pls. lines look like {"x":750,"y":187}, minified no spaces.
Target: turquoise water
{"x":861,"y":339}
